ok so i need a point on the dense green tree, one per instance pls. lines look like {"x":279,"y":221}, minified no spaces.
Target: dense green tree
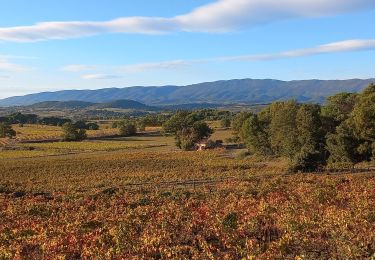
{"x":115,"y":124}
{"x":255,"y":136}
{"x":311,"y":152}
{"x":187,"y":137}
{"x":92,"y":126}
{"x":73,"y":133}
{"x":4,"y":119}
{"x":6,"y":130}
{"x":353,"y":139}
{"x":283,"y":128}
{"x":363,"y":115}
{"x":187,"y":128}
{"x":202,"y":130}
{"x":179,"y":121}
{"x":343,"y":145}
{"x":141,"y":126}
{"x":288,"y":129}
{"x":80,"y":124}
{"x":238,"y":121}
{"x":339,"y":107}
{"x":19,"y":118}
{"x":225,"y":122}
{"x":127,"y":128}
{"x":369,"y":90}
{"x":54,"y":121}
{"x":309,"y":124}
{"x":343,"y":131}
{"x":153,"y":120}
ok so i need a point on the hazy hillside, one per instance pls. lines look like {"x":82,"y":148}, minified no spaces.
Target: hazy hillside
{"x":123,"y":104}
{"x":229,"y":91}
{"x":61,"y":105}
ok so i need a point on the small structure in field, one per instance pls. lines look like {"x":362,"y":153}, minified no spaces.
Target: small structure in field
{"x":202,"y":145}
{"x":206,"y":144}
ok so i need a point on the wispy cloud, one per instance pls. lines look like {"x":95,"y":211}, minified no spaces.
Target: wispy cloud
{"x":7,"y":63}
{"x":78,"y":68}
{"x":335,"y":47}
{"x":169,"y":65}
{"x":8,"y":66}
{"x":99,"y":76}
{"x":115,"y":71}
{"x":219,"y":16}
{"x":228,"y":15}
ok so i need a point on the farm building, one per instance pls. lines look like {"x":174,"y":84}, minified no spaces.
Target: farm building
{"x":208,"y":144}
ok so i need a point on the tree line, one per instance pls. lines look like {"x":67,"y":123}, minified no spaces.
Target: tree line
{"x":312,"y":136}
{"x":19,"y":118}
{"x":77,"y":131}
{"x":188,"y":128}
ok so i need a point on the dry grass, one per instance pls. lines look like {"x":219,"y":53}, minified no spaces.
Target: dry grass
{"x":118,"y":204}
{"x":221,"y":134}
{"x":30,"y":133}
{"x":144,"y":142}
{"x":137,"y":197}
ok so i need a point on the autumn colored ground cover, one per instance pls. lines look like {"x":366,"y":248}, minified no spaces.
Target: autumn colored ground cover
{"x":34,"y":132}
{"x":140,"y":142}
{"x":144,"y":203}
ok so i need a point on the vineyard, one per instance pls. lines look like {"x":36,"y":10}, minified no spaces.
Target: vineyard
{"x":147,"y":203}
{"x":43,"y":133}
{"x":30,"y":150}
{"x":30,"y":133}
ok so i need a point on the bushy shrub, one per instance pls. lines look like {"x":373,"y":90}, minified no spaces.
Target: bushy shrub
{"x":188,"y":129}
{"x":225,"y":122}
{"x":72,"y":133}
{"x":6,"y":130}
{"x":127,"y":128}
{"x":92,"y":126}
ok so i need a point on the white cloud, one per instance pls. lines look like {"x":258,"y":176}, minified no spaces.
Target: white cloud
{"x":169,"y":65}
{"x":99,"y":76}
{"x":227,"y":15}
{"x":134,"y":68}
{"x":78,"y":68}
{"x":219,"y":16}
{"x":335,"y":47}
{"x":6,"y":65}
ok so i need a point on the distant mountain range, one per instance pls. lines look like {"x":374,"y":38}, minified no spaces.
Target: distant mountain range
{"x":117,"y":104}
{"x":247,"y":91}
{"x":62,"y":105}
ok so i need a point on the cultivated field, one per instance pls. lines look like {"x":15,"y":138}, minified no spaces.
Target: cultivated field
{"x":141,"y":142}
{"x":40,"y":133}
{"x":139,"y":197}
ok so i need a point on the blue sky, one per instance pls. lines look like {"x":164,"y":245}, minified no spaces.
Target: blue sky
{"x":87,"y":44}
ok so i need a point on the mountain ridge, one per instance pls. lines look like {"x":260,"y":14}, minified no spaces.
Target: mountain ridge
{"x":250,"y":91}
